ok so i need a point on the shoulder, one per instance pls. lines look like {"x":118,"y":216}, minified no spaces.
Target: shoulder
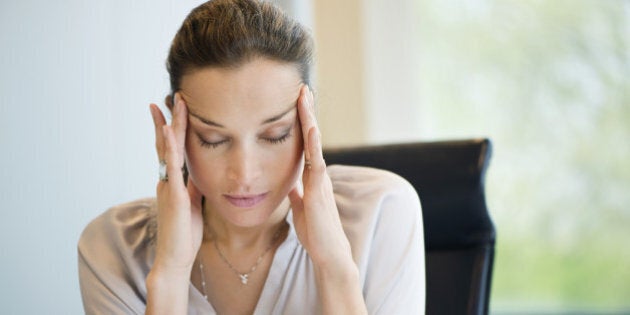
{"x":382,"y":218}
{"x":369,"y":188}
{"x":136,"y":215}
{"x":121,"y":232}
{"x":374,"y":205}
{"x":115,"y":253}
{"x":367,"y":177}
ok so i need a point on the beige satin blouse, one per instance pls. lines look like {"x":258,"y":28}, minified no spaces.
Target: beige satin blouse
{"x":381,"y":216}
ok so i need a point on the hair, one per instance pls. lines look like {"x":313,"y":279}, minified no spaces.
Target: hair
{"x":228,"y":33}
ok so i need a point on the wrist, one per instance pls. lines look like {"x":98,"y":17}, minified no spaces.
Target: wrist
{"x":334,"y":259}
{"x":167,"y":292}
{"x":340,"y":289}
{"x":340,"y":271}
{"x":160,"y":277}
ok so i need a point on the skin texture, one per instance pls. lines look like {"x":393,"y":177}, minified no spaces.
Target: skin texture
{"x":249,"y":154}
{"x":244,"y":132}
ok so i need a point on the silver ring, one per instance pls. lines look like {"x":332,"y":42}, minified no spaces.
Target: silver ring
{"x":162,"y":171}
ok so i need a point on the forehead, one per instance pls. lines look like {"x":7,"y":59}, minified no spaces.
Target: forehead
{"x":257,"y":87}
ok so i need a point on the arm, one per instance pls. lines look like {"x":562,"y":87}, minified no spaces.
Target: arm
{"x":318,"y":225}
{"x":167,"y":292}
{"x":339,"y":289}
{"x":180,"y":222}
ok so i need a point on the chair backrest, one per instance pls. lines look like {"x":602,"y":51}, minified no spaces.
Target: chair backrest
{"x":459,"y":234}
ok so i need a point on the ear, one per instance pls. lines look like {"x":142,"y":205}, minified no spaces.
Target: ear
{"x":168,"y":101}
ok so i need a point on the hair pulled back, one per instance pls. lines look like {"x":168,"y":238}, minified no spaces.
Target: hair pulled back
{"x":227,"y":33}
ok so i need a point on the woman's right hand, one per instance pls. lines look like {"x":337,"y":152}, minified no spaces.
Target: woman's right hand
{"x":179,"y":217}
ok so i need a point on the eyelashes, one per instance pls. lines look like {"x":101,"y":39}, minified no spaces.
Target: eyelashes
{"x":213,"y":145}
{"x":207,"y":144}
{"x":280,"y":139}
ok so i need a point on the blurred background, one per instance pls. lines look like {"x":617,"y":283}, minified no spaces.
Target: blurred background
{"x":547,"y":81}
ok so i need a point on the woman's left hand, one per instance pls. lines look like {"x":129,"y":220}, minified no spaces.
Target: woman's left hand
{"x":315,"y":213}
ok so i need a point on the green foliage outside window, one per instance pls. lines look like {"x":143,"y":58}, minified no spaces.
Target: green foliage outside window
{"x":549,"y":83}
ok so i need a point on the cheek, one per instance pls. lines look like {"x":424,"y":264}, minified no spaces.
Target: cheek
{"x":298,"y":159}
{"x":288,"y":161}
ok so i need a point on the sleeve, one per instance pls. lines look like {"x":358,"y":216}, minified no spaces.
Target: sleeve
{"x":113,"y":256}
{"x":382,"y":218}
{"x":395,"y":277}
{"x":97,"y":297}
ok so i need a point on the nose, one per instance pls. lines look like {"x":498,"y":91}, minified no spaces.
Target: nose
{"x":244,"y":166}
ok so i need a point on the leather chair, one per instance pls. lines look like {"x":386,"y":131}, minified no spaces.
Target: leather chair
{"x":458,"y":232}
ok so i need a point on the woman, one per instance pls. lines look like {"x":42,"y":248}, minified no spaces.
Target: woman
{"x":248,"y":218}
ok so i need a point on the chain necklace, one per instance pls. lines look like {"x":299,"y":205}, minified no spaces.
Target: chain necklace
{"x":243,"y":276}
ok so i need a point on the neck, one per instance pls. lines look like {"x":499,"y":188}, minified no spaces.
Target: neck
{"x":239,"y":238}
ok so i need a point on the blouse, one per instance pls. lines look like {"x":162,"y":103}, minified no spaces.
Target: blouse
{"x":381,"y":217}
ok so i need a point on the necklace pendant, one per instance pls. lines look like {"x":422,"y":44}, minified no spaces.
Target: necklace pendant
{"x":244,"y":278}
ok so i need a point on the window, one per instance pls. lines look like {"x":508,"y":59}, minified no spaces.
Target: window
{"x":549,"y":83}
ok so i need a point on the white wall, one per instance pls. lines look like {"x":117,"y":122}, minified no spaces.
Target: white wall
{"x":340,"y":85}
{"x":76,"y":78}
{"x":392,"y":71}
{"x":368,"y":71}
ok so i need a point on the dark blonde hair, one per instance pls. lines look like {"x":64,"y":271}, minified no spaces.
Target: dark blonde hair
{"x":227,"y":33}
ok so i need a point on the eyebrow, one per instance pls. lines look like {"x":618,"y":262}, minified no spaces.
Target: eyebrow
{"x":264,"y":122}
{"x":279,"y":116}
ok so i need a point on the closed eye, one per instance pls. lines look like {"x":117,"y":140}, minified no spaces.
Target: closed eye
{"x":214,"y":144}
{"x":280,"y":139}
{"x":210,"y":144}
{"x":267,"y":138}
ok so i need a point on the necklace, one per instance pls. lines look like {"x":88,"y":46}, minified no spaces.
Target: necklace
{"x":243,"y":276}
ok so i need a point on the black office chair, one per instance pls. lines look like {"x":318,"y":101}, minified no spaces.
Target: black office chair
{"x":458,"y":232}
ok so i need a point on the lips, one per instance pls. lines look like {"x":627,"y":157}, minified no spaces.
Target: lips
{"x":245,"y":201}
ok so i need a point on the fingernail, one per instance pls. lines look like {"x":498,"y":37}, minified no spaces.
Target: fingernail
{"x":306,"y":102}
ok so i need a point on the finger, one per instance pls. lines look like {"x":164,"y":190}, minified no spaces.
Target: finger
{"x":312,"y":98}
{"x":307,"y":120}
{"x":297,"y":203}
{"x":173,"y":160}
{"x":180,"y":120}
{"x":318,"y":165}
{"x":194,"y":194}
{"x":196,"y":207}
{"x":158,"y":122}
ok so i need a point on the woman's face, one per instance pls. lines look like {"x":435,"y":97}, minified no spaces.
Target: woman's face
{"x":243,"y":142}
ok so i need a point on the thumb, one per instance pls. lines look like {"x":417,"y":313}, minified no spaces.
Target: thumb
{"x":194,"y":194}
{"x":297,"y":203}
